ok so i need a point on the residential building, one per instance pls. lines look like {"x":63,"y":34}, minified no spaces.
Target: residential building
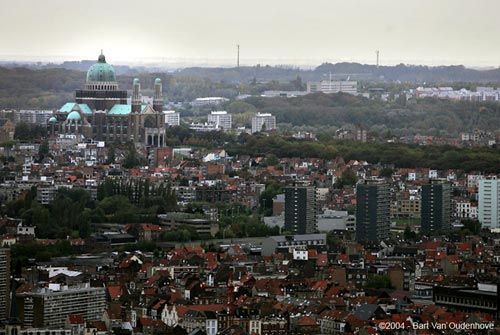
{"x":465,"y":209}
{"x":263,"y":122}
{"x":436,"y":206}
{"x":300,"y":210}
{"x":4,"y":283}
{"x":489,"y":203}
{"x":50,"y":307}
{"x":372,"y":210}
{"x":221,"y":119}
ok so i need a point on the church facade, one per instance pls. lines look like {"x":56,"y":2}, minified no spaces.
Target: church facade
{"x":100,"y":111}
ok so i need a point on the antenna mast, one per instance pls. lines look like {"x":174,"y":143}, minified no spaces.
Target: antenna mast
{"x":377,"y":52}
{"x":238,"y":58}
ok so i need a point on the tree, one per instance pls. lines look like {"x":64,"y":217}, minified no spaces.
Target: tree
{"x":267,"y":196}
{"x":131,"y":160}
{"x":474,"y":226}
{"x":379,"y":282}
{"x":348,"y":178}
{"x":111,"y":155}
{"x":409,"y":234}
{"x":386,"y":172}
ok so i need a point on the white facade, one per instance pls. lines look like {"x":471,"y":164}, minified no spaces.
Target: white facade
{"x":208,"y":101}
{"x":170,"y":317}
{"x":56,"y":302}
{"x":38,"y":117}
{"x":172,"y":118}
{"x":25,"y":230}
{"x":300,"y":254}
{"x":472,"y":180}
{"x":255,"y":327}
{"x":211,"y":326}
{"x":221,"y":119}
{"x":331,"y":86}
{"x":258,"y":121}
{"x":489,"y":190}
{"x":433,"y":174}
{"x":465,"y":210}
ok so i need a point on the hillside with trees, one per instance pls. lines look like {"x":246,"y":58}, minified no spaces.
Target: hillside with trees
{"x":49,"y":88}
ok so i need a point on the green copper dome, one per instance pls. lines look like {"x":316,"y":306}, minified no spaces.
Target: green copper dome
{"x":52,"y":120}
{"x":74,"y":115}
{"x":101,"y":71}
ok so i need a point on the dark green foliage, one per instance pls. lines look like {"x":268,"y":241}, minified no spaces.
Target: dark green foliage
{"x":386,"y":172}
{"x":266,"y":198}
{"x":409,"y":234}
{"x":379,"y":282}
{"x":400,"y":155}
{"x":131,"y":159}
{"x":141,"y":245}
{"x":72,"y":212}
{"x":181,"y":234}
{"x":139,"y":192}
{"x":473,"y":227}
{"x":22,"y":253}
{"x":29,"y":132}
{"x":348,"y":178}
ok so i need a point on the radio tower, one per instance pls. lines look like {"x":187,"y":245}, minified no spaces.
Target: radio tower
{"x":238,"y":58}
{"x":377,"y":52}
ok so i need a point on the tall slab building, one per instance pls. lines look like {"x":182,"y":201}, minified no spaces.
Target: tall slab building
{"x":489,"y":203}
{"x":372,"y":210}
{"x":300,"y":210}
{"x":436,"y":206}
{"x":4,"y":283}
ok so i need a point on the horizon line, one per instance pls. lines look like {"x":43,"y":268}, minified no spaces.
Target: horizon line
{"x":248,"y":62}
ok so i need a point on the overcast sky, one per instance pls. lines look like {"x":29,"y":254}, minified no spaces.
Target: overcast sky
{"x":269,"y":31}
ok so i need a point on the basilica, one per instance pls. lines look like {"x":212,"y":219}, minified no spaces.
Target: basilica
{"x":100,"y":111}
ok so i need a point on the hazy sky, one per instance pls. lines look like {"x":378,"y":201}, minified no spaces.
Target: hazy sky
{"x":274,"y":31}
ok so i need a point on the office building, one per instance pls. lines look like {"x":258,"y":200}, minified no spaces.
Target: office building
{"x":263,"y":122}
{"x":172,"y":118}
{"x":289,"y":243}
{"x":300,"y":210}
{"x":221,"y":119}
{"x":489,"y":203}
{"x":50,"y":307}
{"x":331,"y":86}
{"x":4,"y":283}
{"x":33,"y":116}
{"x":372,"y":210}
{"x":214,"y":101}
{"x":436,"y":206}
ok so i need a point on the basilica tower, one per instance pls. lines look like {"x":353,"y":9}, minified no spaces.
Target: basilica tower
{"x":158,"y":98}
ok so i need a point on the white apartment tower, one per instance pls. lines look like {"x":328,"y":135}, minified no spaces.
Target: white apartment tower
{"x":261,"y":122}
{"x":221,"y":119}
{"x":489,"y":205}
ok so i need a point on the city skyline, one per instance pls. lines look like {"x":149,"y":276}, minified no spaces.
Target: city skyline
{"x":196,"y":32}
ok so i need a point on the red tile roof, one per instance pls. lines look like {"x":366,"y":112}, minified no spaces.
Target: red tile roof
{"x":114,"y":291}
{"x":75,"y":319}
{"x":307,"y":321}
